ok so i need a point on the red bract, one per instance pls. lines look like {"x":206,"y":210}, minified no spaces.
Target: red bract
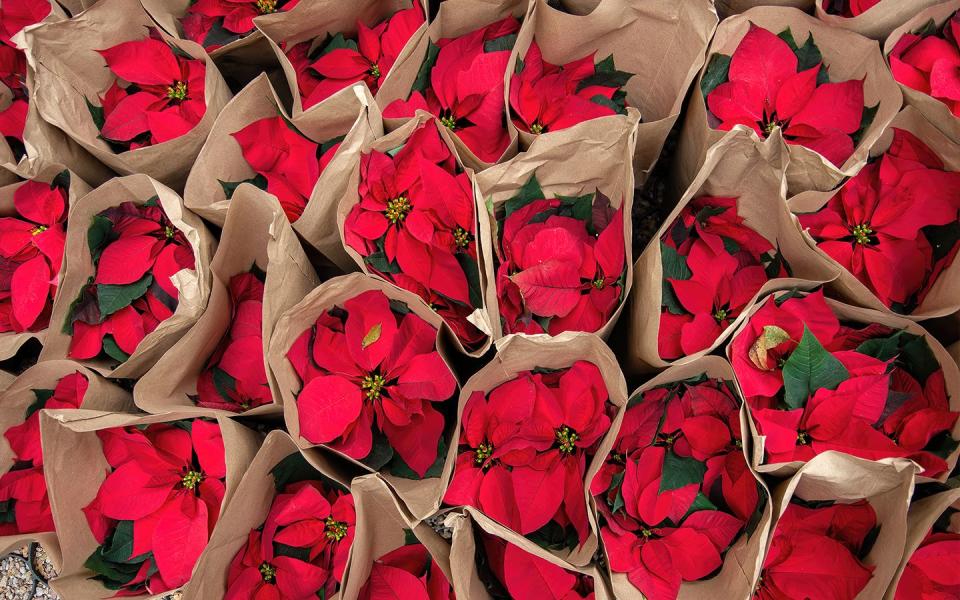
{"x":135,"y":250}
{"x":677,"y":458}
{"x":769,"y":86}
{"x":464,"y":87}
{"x":523,"y":448}
{"x":371,"y":371}
{"x":929,"y":62}
{"x":301,"y":549}
{"x":819,"y":553}
{"x":848,"y":8}
{"x":154,"y":512}
{"x":14,"y":16}
{"x":31,"y":253}
{"x":408,"y":572}
{"x":24,"y":439}
{"x":340,"y":61}
{"x":560,"y":262}
{"x":235,"y":377}
{"x":529,"y":577}
{"x":713,"y":266}
{"x":288,"y":167}
{"x":162,"y":97}
{"x":416,"y":220}
{"x":931,"y":573}
{"x":885,"y":225}
{"x":546,"y":97}
{"x":814,"y":384}
{"x":214,"y":23}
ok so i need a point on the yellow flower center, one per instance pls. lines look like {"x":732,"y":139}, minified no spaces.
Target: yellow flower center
{"x":769,"y":127}
{"x":397,"y":209}
{"x":803,"y":438}
{"x":268,"y":572}
{"x":375,"y":71}
{"x":566,"y":439}
{"x":169,"y":232}
{"x":598,"y":282}
{"x":536,"y":128}
{"x":482,"y":453}
{"x":646,"y":533}
{"x":191,"y":479}
{"x":38,"y":230}
{"x":265,"y":7}
{"x":177,"y":91}
{"x":372,"y":385}
{"x":720,"y":314}
{"x":861,"y":233}
{"x":448,"y":120}
{"x":335,"y":530}
{"x":461,"y":237}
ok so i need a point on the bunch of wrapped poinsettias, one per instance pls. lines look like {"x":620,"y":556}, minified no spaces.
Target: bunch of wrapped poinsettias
{"x":413,"y":299}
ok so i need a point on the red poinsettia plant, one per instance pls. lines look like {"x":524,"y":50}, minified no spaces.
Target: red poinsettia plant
{"x":31,"y":253}
{"x":216,"y":23}
{"x":928,"y":60}
{"x":819,"y":550}
{"x":713,"y":266}
{"x":893,"y":226}
{"x":136,"y":250}
{"x":675,"y":492}
{"x":509,"y":572}
{"x":930,"y":573}
{"x":288,"y":167}
{"x":771,"y":82}
{"x":153,"y":514}
{"x":24,"y":505}
{"x":235,"y":377}
{"x":415,"y":224}
{"x":524,"y":448}
{"x":324,"y":66}
{"x":545,"y":97}
{"x":461,"y":82}
{"x":848,"y":8}
{"x":375,"y":388}
{"x":301,"y":549}
{"x":408,"y":572}
{"x":157,"y":94}
{"x":814,"y":383}
{"x":561,"y":262}
{"x":14,"y":16}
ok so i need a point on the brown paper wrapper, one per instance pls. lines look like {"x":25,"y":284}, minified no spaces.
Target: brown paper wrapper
{"x":194,"y":285}
{"x":886,"y":484}
{"x":463,"y":554}
{"x":349,"y":171}
{"x":70,"y":442}
{"x":727,"y":8}
{"x":848,"y":56}
{"x":519,"y":353}
{"x":558,"y":163}
{"x":255,"y":494}
{"x":100,"y":395}
{"x":455,"y":18}
{"x":934,"y":110}
{"x":661,"y":42}
{"x":944,"y":297}
{"x":256,"y":233}
{"x":877,"y":22}
{"x":921,"y":517}
{"x":68,"y":71}
{"x":11,"y":342}
{"x":310,"y":20}
{"x":741,"y":564}
{"x":753,"y":171}
{"x":381,"y":521}
{"x":865,"y":316}
{"x":421,"y":496}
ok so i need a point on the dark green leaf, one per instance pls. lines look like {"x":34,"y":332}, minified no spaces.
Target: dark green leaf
{"x":808,"y":55}
{"x":530,"y":191}
{"x":111,"y":298}
{"x":942,"y":445}
{"x":379,"y":261}
{"x":730,"y":245}
{"x":518,"y":67}
{"x":99,"y":233}
{"x":679,"y":471}
{"x":120,"y":548}
{"x":325,"y":146}
{"x":96,"y":113}
{"x":409,"y":538}
{"x":224,"y":383}
{"x":553,"y":536}
{"x":787,"y":36}
{"x":399,"y":307}
{"x":869,"y":114}
{"x":422,"y":82}
{"x":809,"y":368}
{"x":942,"y":238}
{"x":338,"y":42}
{"x":218,"y":36}
{"x":472,"y":271}
{"x":885,"y":348}
{"x":928,"y":28}
{"x":62,"y":180}
{"x":504,"y":42}
{"x":41,"y":396}
{"x":229,"y":187}
{"x":302,"y":554}
{"x":111,"y":349}
{"x":381,"y":452}
{"x":607,"y":102}
{"x":610,"y":79}
{"x":701,"y":502}
{"x":674,"y":267}
{"x":718,"y":71}
{"x":399,"y":468}
{"x":917,"y":357}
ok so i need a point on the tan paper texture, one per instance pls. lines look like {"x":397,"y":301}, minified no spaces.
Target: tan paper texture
{"x":847,"y":55}
{"x":661,"y":42}
{"x":886,"y":484}
{"x":256,"y":233}
{"x":727,"y":8}
{"x":753,"y":171}
{"x":944,"y":297}
{"x":363,"y":140}
{"x":11,"y":342}
{"x":421,"y":496}
{"x":68,"y":72}
{"x":71,"y":446}
{"x":935,"y":111}
{"x":518,"y":353}
{"x":194,"y":285}
{"x":878,"y":21}
{"x":865,"y":316}
{"x":558,"y":161}
{"x":14,"y":401}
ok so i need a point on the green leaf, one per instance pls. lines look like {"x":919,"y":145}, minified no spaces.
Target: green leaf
{"x":605,"y":66}
{"x":607,"y":102}
{"x":217,"y":35}
{"x":942,"y":238}
{"x":302,"y":554}
{"x":581,"y":207}
{"x":927,"y":29}
{"x":379,"y":261}
{"x":530,"y":191}
{"x":96,"y":113}
{"x":553,"y":536}
{"x":111,"y":298}
{"x":718,"y":71}
{"x":325,"y":146}
{"x":293,"y":468}
{"x":229,"y":187}
{"x":338,"y":42}
{"x":701,"y":502}
{"x":674,"y":267}
{"x":120,"y":547}
{"x":99,"y":233}
{"x":917,"y":357}
{"x":730,"y":245}
{"x":808,"y":55}
{"x":224,"y":383}
{"x":399,"y":307}
{"x":422,"y":82}
{"x":518,"y":66}
{"x":610,"y":79}
{"x":472,"y":271}
{"x":809,"y":368}
{"x":787,"y":36}
{"x":504,"y":42}
{"x":111,"y":349}
{"x":885,"y":348}
{"x":62,"y":180}
{"x":41,"y":396}
{"x":399,"y":468}
{"x":869,"y":114}
{"x":409,"y":538}
{"x":679,"y":471}
{"x":372,"y":336}
{"x":381,"y":452}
